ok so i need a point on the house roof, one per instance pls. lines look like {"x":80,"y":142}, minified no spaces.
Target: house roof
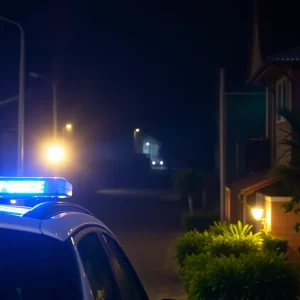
{"x":278,"y":36}
{"x":253,"y":183}
{"x":278,"y":26}
{"x":291,"y":55}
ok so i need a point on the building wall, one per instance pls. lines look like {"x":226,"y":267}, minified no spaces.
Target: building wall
{"x":270,"y":122}
{"x":275,"y":129}
{"x":281,"y":128}
{"x":281,"y":224}
{"x":233,"y":206}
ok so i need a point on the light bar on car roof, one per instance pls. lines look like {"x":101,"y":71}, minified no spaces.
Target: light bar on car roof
{"x":38,"y":187}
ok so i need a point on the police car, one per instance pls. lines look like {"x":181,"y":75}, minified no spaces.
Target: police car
{"x":51,"y":249}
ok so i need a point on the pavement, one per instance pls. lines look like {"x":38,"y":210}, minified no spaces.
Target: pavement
{"x":147,"y":225}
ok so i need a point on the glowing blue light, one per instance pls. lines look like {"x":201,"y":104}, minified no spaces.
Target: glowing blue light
{"x":27,"y":187}
{"x":14,"y":209}
{"x":22,"y":187}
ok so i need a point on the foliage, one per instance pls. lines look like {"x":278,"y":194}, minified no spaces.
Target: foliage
{"x":200,"y":221}
{"x":187,"y":181}
{"x":250,"y":276}
{"x":290,"y":174}
{"x":233,"y":230}
{"x":227,"y":262}
{"x":192,"y":242}
{"x":273,"y":244}
{"x":220,"y":239}
{"x":233,"y":239}
{"x":236,"y":246}
{"x":218,"y":228}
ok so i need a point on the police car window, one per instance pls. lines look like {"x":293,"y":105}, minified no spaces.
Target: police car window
{"x":133,"y":289}
{"x":34,"y":266}
{"x":97,"y":268}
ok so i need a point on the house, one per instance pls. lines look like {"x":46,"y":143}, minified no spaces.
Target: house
{"x":274,"y":64}
{"x":149,"y":146}
{"x":247,"y":109}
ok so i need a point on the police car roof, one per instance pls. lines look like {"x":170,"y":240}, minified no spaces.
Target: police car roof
{"x":52,"y":218}
{"x":59,"y":226}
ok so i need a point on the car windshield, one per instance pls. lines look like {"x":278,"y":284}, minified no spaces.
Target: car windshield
{"x":34,"y":266}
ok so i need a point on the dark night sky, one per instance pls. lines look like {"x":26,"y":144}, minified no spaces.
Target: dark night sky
{"x":122,"y":64}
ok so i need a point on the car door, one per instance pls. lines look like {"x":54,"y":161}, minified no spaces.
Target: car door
{"x":96,"y":265}
{"x":129,"y":282}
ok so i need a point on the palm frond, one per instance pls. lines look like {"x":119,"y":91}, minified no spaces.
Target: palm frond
{"x":288,"y":133}
{"x":283,"y":154}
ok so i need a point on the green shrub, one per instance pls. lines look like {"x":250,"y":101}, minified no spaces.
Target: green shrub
{"x":199,"y":221}
{"x":224,"y":245}
{"x":192,"y":242}
{"x":218,"y":228}
{"x":274,"y":244}
{"x":232,"y":230}
{"x":251,"y":276}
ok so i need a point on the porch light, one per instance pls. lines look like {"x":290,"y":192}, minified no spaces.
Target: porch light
{"x":258,"y":213}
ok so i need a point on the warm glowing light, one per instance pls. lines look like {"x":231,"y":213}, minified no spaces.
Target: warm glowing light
{"x":55,"y":154}
{"x":258,"y":213}
{"x":137,"y":130}
{"x":69,"y":126}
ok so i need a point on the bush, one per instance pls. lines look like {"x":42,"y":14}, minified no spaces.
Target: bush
{"x":199,"y":221}
{"x":251,"y":276}
{"x":218,"y":228}
{"x":273,"y":244}
{"x":192,"y":242}
{"x":223,"y":245}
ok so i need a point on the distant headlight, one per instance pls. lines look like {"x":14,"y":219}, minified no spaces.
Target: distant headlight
{"x":153,"y":163}
{"x":161,"y":162}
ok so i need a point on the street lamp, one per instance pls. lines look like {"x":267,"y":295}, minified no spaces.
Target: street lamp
{"x":21,"y":96}
{"x":54,"y":100}
{"x":69,"y":127}
{"x":136,"y":131}
{"x":55,"y":154}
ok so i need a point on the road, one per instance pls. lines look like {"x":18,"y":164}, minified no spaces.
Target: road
{"x":147,"y":224}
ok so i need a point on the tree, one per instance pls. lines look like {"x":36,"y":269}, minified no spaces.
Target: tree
{"x":290,"y":173}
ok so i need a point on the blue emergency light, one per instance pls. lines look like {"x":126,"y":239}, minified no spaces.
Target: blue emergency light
{"x":34,"y":187}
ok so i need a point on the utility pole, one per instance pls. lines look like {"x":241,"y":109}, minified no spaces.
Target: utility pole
{"x":222,"y":136}
{"x":54,"y":111}
{"x":21,"y":96}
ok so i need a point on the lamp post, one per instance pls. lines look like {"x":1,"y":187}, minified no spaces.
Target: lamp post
{"x":136,"y":131}
{"x":21,"y":96}
{"x":54,"y":101}
{"x":67,"y":127}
